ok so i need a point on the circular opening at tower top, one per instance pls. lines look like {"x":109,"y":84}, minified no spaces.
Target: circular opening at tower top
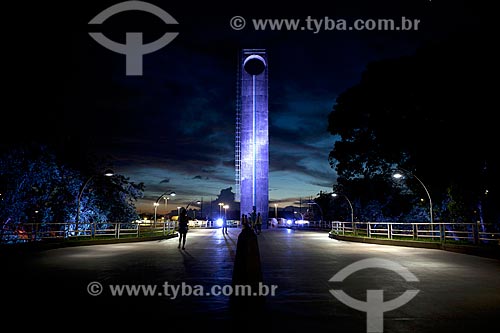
{"x":254,"y":64}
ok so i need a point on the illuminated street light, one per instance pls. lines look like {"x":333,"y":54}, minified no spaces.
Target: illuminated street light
{"x":192,"y":202}
{"x":164,"y":195}
{"x":220,"y":208}
{"x":301,"y":215}
{"x":156,"y":204}
{"x":225,"y":211}
{"x":198,"y":202}
{"x":350,"y":204}
{"x":166,"y":205}
{"x":107,"y":173}
{"x":276,"y":211}
{"x":398,"y":175}
{"x":320,"y":209}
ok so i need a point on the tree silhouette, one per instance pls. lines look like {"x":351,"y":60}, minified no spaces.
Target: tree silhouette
{"x":37,"y":187}
{"x":429,"y":113}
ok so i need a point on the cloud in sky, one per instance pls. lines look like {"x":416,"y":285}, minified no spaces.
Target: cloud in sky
{"x":180,"y":125}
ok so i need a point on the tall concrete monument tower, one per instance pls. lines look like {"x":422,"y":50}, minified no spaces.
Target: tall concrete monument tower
{"x":252,"y":139}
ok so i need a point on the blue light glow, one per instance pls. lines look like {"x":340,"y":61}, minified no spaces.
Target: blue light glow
{"x":253,"y":135}
{"x":219,"y":222}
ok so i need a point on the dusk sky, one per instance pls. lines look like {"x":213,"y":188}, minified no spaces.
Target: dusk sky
{"x":173,"y":127}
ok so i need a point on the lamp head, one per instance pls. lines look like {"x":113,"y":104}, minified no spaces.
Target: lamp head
{"x":397,"y":175}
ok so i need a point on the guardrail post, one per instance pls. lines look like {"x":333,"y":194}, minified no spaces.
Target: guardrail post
{"x":389,"y":230}
{"x":475,"y":232}
{"x":442,"y":233}
{"x":369,"y":229}
{"x":414,"y":230}
{"x":118,"y":230}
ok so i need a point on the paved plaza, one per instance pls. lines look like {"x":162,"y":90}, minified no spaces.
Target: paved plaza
{"x":457,"y":292}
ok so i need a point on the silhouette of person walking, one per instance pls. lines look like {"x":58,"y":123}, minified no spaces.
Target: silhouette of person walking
{"x":258,"y":224}
{"x":244,"y":220}
{"x":253,"y":219}
{"x":224,"y":226}
{"x":183,"y":228}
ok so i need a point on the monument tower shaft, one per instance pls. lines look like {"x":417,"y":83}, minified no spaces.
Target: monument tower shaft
{"x":252,"y":135}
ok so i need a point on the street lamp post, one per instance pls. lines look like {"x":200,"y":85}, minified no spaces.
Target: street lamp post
{"x":350,"y":205}
{"x":164,"y":196}
{"x":220,"y":209}
{"x":198,"y":202}
{"x":276,"y":211}
{"x":166,"y":206}
{"x":201,"y":209}
{"x":398,"y":175}
{"x":225,"y":211}
{"x":320,"y":209}
{"x":156,"y":204}
{"x":192,"y":202}
{"x":107,"y":173}
{"x":301,"y":215}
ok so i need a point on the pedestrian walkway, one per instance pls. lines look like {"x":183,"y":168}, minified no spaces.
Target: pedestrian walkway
{"x":458,"y":292}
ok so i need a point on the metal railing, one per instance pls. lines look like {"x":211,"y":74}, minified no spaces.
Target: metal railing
{"x":30,"y":232}
{"x":474,"y":233}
